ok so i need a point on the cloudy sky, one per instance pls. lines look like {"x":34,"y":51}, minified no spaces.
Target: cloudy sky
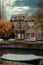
{"x":20,"y":7}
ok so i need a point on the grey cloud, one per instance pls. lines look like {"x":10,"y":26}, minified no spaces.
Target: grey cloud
{"x":31,"y":3}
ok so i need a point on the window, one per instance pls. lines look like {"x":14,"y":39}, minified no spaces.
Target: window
{"x":20,"y":34}
{"x":30,"y":25}
{"x":40,"y":35}
{"x":20,"y":25}
{"x":28,"y":35}
{"x":33,"y":19}
{"x":17,"y":18}
{"x":13,"y":19}
{"x":22,"y":17}
{"x":32,"y":34}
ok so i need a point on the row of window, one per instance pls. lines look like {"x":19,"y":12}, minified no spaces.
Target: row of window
{"x":28,"y":35}
{"x":30,"y":25}
{"x":22,"y":18}
{"x":18,"y":18}
{"x":32,"y":38}
{"x":40,"y":35}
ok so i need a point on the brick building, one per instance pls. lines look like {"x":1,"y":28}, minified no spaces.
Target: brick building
{"x":25,"y":27}
{"x":39,"y":18}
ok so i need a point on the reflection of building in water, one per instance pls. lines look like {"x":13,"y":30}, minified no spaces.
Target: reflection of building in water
{"x":26,"y":28}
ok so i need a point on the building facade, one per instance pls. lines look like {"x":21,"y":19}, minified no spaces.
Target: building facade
{"x":25,"y":27}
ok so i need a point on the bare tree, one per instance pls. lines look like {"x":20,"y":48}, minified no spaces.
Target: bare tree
{"x":2,"y":9}
{"x":40,"y":14}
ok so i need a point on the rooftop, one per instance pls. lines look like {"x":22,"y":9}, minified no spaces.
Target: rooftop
{"x":21,"y":17}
